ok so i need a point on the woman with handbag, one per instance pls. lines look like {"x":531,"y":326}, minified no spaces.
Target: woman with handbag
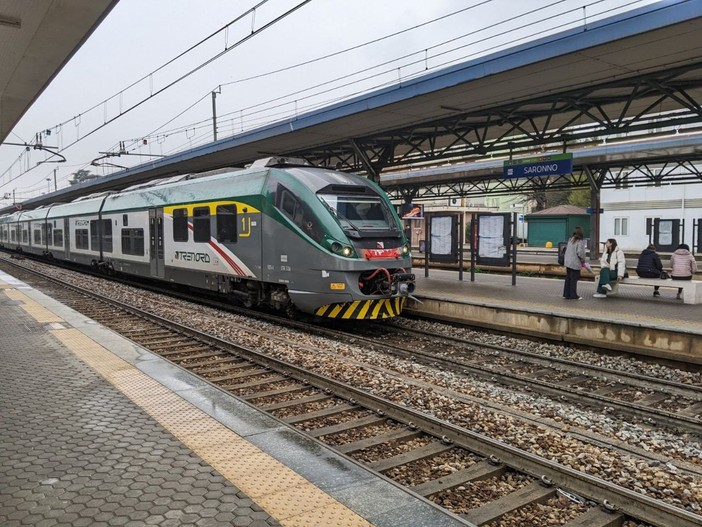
{"x":650,"y":266}
{"x":612,"y":267}
{"x":573,"y":260}
{"x":683,"y":265}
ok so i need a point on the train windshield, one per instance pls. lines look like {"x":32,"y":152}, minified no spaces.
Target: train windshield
{"x":359,"y":212}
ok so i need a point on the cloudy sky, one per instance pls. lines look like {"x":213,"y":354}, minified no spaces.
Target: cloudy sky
{"x":124,"y":90}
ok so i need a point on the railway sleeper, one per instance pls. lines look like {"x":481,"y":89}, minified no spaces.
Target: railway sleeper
{"x":295,"y":402}
{"x":254,"y":383}
{"x":423,"y":452}
{"x":532,"y":493}
{"x":211,"y":358}
{"x":597,"y":517}
{"x":402,"y":434}
{"x":480,"y":471}
{"x":325,"y":412}
{"x":241,"y":375}
{"x":271,"y":393}
{"x":654,"y":398}
{"x":368,"y":420}
{"x":692,"y":411}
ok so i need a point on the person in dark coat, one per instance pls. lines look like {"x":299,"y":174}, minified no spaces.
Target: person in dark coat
{"x":650,"y":266}
{"x":573,"y":261}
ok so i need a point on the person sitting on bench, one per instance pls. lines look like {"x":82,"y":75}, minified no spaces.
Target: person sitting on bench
{"x":649,"y":265}
{"x":683,"y":265}
{"x":612,"y":267}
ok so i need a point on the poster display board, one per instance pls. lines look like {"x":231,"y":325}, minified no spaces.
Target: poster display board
{"x":493,"y":239}
{"x":666,"y":234}
{"x":443,"y":244}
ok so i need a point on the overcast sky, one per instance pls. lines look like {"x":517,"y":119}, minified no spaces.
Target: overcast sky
{"x":138,"y":37}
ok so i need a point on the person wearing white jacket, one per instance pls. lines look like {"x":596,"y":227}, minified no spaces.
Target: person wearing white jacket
{"x":612,"y":267}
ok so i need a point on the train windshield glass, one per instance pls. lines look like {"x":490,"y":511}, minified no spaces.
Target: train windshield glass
{"x":359,"y":212}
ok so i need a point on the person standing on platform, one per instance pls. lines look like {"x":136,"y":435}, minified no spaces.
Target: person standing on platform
{"x":612,"y":267}
{"x":683,"y":265}
{"x":573,"y":261}
{"x":649,"y":265}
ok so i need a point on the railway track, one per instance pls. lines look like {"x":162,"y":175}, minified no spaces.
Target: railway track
{"x":669,"y":404}
{"x":487,"y":481}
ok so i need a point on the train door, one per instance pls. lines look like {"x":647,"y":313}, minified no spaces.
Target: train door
{"x":156,"y":242}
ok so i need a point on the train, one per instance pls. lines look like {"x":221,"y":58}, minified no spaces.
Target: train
{"x":280,"y":234}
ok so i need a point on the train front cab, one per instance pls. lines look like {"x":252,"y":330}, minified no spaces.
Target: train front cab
{"x":363,"y":270}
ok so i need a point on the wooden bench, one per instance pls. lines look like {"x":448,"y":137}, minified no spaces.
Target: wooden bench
{"x":692,"y":289}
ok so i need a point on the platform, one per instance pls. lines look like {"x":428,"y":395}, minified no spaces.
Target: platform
{"x":95,"y":430}
{"x":632,"y":321}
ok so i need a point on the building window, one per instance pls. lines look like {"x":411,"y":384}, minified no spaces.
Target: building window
{"x":621,"y":226}
{"x":180,"y":225}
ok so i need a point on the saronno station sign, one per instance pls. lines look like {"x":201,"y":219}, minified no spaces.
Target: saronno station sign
{"x":548,"y":165}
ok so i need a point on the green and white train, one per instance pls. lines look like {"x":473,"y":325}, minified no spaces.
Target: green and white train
{"x":280,"y":233}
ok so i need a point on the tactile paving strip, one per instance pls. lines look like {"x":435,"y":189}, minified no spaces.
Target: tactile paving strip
{"x":284,"y":494}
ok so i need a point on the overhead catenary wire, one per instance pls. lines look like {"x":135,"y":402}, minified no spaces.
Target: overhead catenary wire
{"x":253,"y":33}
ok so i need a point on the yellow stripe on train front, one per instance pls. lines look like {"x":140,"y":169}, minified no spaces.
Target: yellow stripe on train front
{"x":351,"y":309}
{"x":364,"y":310}
{"x":376,"y":309}
{"x":336,"y":310}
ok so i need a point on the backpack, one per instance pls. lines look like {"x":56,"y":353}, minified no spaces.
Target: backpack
{"x":561,"y":255}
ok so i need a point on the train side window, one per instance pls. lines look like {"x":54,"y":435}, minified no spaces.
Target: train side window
{"x":58,"y":237}
{"x":25,"y":235}
{"x":133,"y":242}
{"x":37,"y":236}
{"x":226,"y":224}
{"x":107,"y":236}
{"x":94,"y":240}
{"x":125,"y":220}
{"x":180,"y":225}
{"x":201,"y":224}
{"x":82,"y":239}
{"x":49,"y":236}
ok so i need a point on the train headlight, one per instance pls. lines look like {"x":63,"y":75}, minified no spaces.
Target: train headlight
{"x":347,"y":251}
{"x":336,"y":247}
{"x":406,"y":248}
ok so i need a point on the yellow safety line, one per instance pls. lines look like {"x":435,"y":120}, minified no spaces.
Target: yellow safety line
{"x":281,"y":492}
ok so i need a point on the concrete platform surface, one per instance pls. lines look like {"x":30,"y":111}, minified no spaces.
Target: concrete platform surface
{"x":95,"y":431}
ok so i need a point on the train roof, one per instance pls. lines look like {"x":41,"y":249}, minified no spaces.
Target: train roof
{"x":222,"y":183}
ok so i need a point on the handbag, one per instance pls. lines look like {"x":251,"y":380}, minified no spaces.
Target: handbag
{"x":664,"y":275}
